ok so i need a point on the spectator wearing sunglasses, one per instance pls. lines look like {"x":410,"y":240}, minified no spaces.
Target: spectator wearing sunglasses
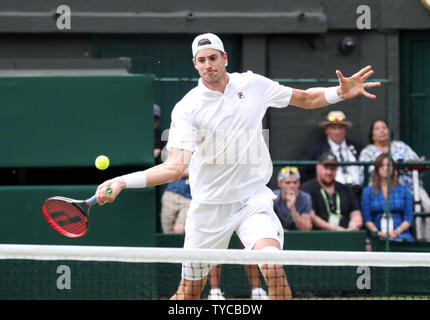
{"x":292,"y":206}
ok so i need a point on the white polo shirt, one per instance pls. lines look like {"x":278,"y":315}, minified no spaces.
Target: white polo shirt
{"x":230,"y":160}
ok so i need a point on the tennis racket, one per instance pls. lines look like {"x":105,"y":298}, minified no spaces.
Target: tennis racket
{"x":69,"y":217}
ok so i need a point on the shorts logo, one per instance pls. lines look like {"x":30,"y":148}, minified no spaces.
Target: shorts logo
{"x":240,"y":95}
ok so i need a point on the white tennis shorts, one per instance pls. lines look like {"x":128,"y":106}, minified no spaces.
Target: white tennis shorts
{"x":211,"y":226}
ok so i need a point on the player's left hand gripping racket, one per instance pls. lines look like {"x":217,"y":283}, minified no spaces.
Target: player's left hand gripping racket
{"x":69,"y":217}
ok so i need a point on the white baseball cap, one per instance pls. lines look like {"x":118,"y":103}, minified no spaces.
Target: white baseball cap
{"x":207,"y":41}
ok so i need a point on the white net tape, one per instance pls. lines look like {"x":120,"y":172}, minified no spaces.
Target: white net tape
{"x":217,"y":256}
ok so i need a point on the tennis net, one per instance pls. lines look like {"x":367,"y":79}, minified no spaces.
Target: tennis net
{"x":91,"y":272}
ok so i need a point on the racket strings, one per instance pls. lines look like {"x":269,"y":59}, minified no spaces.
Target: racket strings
{"x":66,"y":216}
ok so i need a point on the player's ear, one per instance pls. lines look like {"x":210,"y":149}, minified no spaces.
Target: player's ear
{"x":195,"y":63}
{"x":225,"y":59}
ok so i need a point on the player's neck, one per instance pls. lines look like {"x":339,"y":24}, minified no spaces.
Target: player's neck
{"x":219,"y":85}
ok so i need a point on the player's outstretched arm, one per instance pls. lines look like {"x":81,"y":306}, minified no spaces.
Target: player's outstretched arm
{"x":171,"y":170}
{"x":348,"y":88}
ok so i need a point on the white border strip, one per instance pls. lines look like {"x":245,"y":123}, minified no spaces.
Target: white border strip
{"x":218,"y":256}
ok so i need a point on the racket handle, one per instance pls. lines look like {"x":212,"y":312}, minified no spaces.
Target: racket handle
{"x":93,"y":200}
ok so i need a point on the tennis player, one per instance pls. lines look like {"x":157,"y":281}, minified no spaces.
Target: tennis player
{"x":216,"y":131}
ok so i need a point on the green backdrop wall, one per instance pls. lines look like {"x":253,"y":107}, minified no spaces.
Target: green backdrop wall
{"x":69,"y":121}
{"x":129,"y":221}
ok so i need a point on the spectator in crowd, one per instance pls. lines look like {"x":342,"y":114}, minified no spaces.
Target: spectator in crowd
{"x":400,"y":151}
{"x":158,"y":142}
{"x":335,"y":128}
{"x":158,"y":147}
{"x":292,"y":206}
{"x":335,"y":206}
{"x":373,"y":203}
{"x":175,"y":203}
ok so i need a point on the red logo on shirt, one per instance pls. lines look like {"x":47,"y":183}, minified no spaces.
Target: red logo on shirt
{"x":240,"y":94}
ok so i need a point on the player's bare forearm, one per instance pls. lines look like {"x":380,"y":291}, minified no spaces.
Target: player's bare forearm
{"x":348,"y":88}
{"x":164,"y":173}
{"x":152,"y":177}
{"x":312,"y":98}
{"x":157,"y":175}
{"x":171,"y":170}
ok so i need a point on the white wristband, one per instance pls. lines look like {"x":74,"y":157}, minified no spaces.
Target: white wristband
{"x":135,"y":180}
{"x":331,"y":95}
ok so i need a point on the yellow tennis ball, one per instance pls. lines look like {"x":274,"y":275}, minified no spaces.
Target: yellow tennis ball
{"x":102,"y":162}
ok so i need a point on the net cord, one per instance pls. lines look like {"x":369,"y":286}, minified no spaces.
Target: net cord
{"x":214,"y":256}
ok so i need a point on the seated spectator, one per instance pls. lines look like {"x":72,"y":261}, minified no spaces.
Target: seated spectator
{"x":158,"y":142}
{"x":292,"y":206}
{"x":334,"y":205}
{"x":175,"y":203}
{"x":373,"y":203}
{"x":400,"y":151}
{"x":335,"y":128}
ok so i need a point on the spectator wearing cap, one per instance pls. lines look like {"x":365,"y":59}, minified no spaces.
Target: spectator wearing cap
{"x":292,"y":206}
{"x":345,"y":150}
{"x":334,"y":205}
